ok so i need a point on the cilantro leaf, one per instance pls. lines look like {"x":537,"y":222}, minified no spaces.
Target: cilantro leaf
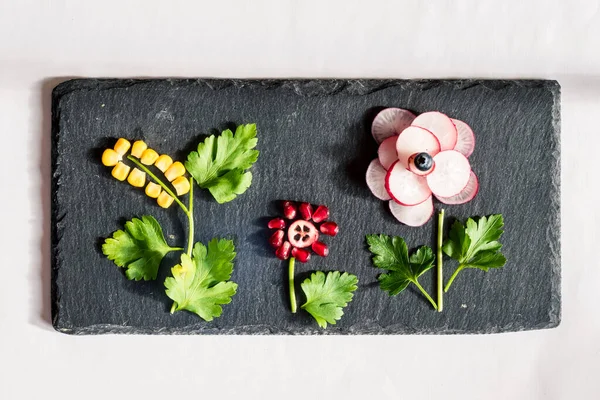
{"x":475,"y":244}
{"x":391,"y":253}
{"x":220,"y":163}
{"x":200,"y":283}
{"x":326,"y":296}
{"x":139,"y":248}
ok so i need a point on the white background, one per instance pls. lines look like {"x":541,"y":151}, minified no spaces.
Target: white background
{"x":43,"y":42}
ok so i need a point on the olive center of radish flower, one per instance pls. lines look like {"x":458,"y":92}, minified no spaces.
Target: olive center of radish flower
{"x":423,"y":161}
{"x":302,"y":234}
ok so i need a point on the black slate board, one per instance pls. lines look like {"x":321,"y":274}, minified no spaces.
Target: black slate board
{"x":315,"y":143}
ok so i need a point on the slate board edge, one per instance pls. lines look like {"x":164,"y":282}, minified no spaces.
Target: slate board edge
{"x":302,"y":87}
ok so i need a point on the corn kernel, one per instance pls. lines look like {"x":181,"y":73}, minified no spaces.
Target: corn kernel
{"x":110,"y":158}
{"x":137,"y":178}
{"x":120,"y":171}
{"x":153,"y":190}
{"x":148,"y":157}
{"x":139,"y":146}
{"x":163,"y":162}
{"x":164,"y":200}
{"x":122,"y":146}
{"x":174,"y":171}
{"x":181,"y":185}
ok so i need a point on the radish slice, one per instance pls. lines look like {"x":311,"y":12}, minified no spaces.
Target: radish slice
{"x":466,"y":195}
{"x":441,"y":126}
{"x":376,"y":180}
{"x":390,"y":122}
{"x":412,"y":215}
{"x":465,"y":143}
{"x":451,"y":174}
{"x":387,"y":152}
{"x":416,"y":140}
{"x":405,"y":187}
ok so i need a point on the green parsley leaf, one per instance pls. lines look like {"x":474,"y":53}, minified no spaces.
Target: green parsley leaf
{"x":220,"y":163}
{"x":200,"y":283}
{"x":139,"y":248}
{"x":475,"y":244}
{"x":391,"y":253}
{"x":326,"y":296}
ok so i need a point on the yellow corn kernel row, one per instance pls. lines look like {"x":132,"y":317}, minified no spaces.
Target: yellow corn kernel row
{"x":173,"y":171}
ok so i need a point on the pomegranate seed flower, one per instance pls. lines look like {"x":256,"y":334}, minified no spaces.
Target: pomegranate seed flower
{"x":298,"y":232}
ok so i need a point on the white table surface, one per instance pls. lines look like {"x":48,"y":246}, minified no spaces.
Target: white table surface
{"x":43,"y":42}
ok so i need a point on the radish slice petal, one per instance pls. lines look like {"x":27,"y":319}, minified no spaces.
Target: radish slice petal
{"x":412,"y":215}
{"x":376,"y":180}
{"x":416,"y":140}
{"x":466,"y":195}
{"x":451,"y":174}
{"x":387,"y":152}
{"x":390,"y":122}
{"x":465,"y":143}
{"x":405,"y":187}
{"x":441,"y":126}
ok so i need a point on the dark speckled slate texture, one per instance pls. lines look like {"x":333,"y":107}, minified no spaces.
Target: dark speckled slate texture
{"x":315,"y":143}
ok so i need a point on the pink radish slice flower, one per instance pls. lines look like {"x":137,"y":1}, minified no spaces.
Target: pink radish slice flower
{"x":441,"y":126}
{"x":376,"y":180}
{"x":387,"y":152}
{"x":465,"y":143}
{"x":415,"y":140}
{"x":405,"y":187}
{"x":451,"y":173}
{"x":419,"y":157}
{"x":466,"y":195}
{"x":412,"y":215}
{"x":390,"y":122}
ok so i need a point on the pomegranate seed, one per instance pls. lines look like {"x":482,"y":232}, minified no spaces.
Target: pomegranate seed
{"x":277,"y":223}
{"x":329,"y":228}
{"x":276,"y":239}
{"x":283,"y":251}
{"x":306,"y":211}
{"x":289,"y":210}
{"x":320,"y":248}
{"x":321,"y":214}
{"x":300,"y":254}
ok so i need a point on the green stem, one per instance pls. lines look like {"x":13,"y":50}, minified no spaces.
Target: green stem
{"x":190,"y":216}
{"x":460,"y":268}
{"x":291,"y":284}
{"x":173,"y":308}
{"x":425,"y":294}
{"x":440,"y":269}
{"x":161,"y":183}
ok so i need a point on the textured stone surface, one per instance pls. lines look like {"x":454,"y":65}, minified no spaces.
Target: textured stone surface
{"x":315,"y":143}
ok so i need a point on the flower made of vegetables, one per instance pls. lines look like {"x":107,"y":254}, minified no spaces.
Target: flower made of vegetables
{"x":420,"y":157}
{"x":144,"y":157}
{"x":299,"y":231}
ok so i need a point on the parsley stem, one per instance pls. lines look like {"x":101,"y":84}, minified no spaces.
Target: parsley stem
{"x":161,"y":183}
{"x":460,"y":268}
{"x":425,"y":294}
{"x":190,"y":216}
{"x":291,"y":284}
{"x":440,"y":270}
